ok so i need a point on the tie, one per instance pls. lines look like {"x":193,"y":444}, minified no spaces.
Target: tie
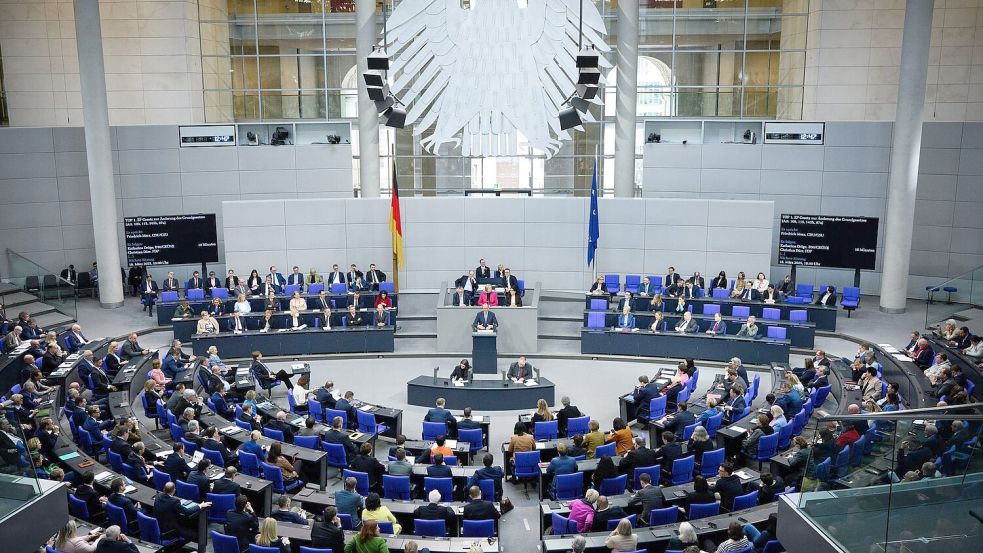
{"x":715,"y":327}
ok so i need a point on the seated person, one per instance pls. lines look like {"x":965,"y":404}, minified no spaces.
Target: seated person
{"x":599,"y":288}
{"x":718,"y":326}
{"x":658,"y":322}
{"x":626,"y":320}
{"x":686,"y":325}
{"x":749,"y":329}
{"x":488,"y":296}
{"x":353,"y":318}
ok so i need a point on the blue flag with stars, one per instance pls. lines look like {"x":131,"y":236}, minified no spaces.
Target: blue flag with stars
{"x":594,"y":229}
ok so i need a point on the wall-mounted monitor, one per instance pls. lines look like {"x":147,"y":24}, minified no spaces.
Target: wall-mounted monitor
{"x":207,"y":135}
{"x":171,"y":239}
{"x":828,"y":241}
{"x":794,"y":132}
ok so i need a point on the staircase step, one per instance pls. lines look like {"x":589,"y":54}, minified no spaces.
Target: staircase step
{"x":35,"y":308}
{"x":425,"y":326}
{"x":7,"y":287}
{"x":17,"y":297}
{"x":53,"y":319}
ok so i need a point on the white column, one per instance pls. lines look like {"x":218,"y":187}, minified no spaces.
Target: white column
{"x":906,"y":148}
{"x":98,"y":152}
{"x":626,"y":99}
{"x":368,"y":118}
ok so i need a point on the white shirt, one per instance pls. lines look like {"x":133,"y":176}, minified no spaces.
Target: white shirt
{"x":300,"y":395}
{"x":242,"y":307}
{"x":760,"y":286}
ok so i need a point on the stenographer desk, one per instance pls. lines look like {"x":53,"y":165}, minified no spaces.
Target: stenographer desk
{"x":800,"y":335}
{"x":309,"y":341}
{"x":257,"y":304}
{"x":645,"y":343}
{"x":480,"y":395}
{"x":824,"y":317}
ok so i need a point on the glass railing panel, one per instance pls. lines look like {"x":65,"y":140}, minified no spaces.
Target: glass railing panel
{"x":967,"y":291}
{"x":45,"y":283}
{"x":18,"y":475}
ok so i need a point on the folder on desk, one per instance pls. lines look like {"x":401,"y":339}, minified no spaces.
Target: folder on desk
{"x":70,"y":455}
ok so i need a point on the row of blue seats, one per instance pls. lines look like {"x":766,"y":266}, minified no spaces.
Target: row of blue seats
{"x":596,"y":321}
{"x":193,"y":294}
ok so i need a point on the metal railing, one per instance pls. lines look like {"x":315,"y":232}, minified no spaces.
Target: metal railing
{"x":46,"y":284}
{"x":957,"y":294}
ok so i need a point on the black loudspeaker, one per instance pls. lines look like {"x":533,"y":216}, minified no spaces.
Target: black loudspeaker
{"x":373,"y":78}
{"x":588,"y":91}
{"x":589,"y":75}
{"x":569,"y":118}
{"x":395,"y":117}
{"x":378,"y":60}
{"x":376,"y":93}
{"x":587,"y":58}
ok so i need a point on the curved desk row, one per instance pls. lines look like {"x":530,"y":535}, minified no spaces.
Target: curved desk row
{"x":914,"y":385}
{"x":824,"y":317}
{"x":968,"y":364}
{"x":674,"y":345}
{"x":184,"y":329}
{"x":800,"y":335}
{"x":166,"y":309}
{"x":480,"y":395}
{"x":309,"y":341}
{"x":299,"y":533}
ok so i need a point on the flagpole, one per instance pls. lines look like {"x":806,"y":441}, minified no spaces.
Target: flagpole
{"x":395,"y":256}
{"x":599,"y":188}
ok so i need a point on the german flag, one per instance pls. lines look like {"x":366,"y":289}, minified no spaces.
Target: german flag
{"x":396,"y":226}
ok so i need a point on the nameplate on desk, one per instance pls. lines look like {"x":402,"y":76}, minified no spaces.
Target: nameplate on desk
{"x":229,"y":430}
{"x":736,"y":428}
{"x":368,"y":408}
{"x":356,"y":435}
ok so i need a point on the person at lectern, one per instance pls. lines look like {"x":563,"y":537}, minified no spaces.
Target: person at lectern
{"x":687,"y":325}
{"x":485,"y":319}
{"x":462,"y":372}
{"x":520,"y":370}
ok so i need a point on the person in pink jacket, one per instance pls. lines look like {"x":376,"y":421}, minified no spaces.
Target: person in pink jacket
{"x":488,"y":296}
{"x":582,"y":510}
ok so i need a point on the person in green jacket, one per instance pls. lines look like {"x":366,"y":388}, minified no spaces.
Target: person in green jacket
{"x":367,"y":540}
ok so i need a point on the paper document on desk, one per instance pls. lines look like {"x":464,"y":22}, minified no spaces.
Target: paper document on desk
{"x":531,"y":382}
{"x":901,"y":357}
{"x":736,"y":428}
{"x":888,"y":348}
{"x":742,"y":475}
{"x":458,"y":383}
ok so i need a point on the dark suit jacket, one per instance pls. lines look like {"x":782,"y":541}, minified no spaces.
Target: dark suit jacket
{"x":771,"y":295}
{"x":91,"y":497}
{"x":325,"y":535}
{"x":439,"y":471}
{"x":601,"y":518}
{"x":565,"y":414}
{"x":636,"y":458}
{"x":243,"y":526}
{"x":176,"y":466}
{"x":831,"y":300}
{"x":521,"y":372}
{"x":168,"y":511}
{"x":481,"y":510}
{"x":679,"y":421}
{"x":728,"y":487}
{"x":225,"y":486}
{"x":325,"y":398}
{"x":369,"y":465}
{"x":643,"y":397}
{"x":343,"y":278}
{"x":126,"y":504}
{"x":433,"y":511}
{"x":288,"y":431}
{"x":106,"y":546}
{"x":669,"y":453}
{"x":201,"y":480}
{"x":482,"y":272}
{"x":460,"y":299}
{"x":482,"y":319}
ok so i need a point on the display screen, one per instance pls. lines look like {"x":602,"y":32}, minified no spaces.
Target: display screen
{"x":171,"y":239}
{"x":828,"y":241}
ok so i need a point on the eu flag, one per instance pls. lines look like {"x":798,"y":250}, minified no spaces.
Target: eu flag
{"x":594,"y":229}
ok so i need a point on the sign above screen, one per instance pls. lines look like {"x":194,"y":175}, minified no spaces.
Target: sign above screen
{"x":171,"y":239}
{"x":828,"y":241}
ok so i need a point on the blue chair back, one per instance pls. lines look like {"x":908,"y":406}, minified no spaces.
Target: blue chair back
{"x":688,"y":431}
{"x":568,"y":486}
{"x":116,"y":516}
{"x":741,"y":311}
{"x":443,"y":485}
{"x":159,"y":479}
{"x":606,"y":449}
{"x":804,"y":291}
{"x":632,"y":282}
{"x":657,"y":408}
{"x":562,"y":525}
{"x":613,"y":282}
{"x":711,"y":309}
{"x":654,"y":472}
{"x":337,"y":456}
{"x":396,"y":487}
{"x":595,"y":319}
{"x":450,"y":460}
{"x":776,"y":332}
{"x":785,"y":435}
{"x":274,"y":475}
{"x":273,"y":434}
{"x":703,"y":510}
{"x":745,"y":501}
{"x":387,"y":287}
{"x":719,"y":293}
{"x":614,"y":486}
{"x":578,"y":425}
{"x":168,"y":295}
{"x":683,"y":395}
{"x":612,"y":524}
{"x":315,"y":289}
{"x":472,"y":436}
{"x":767,"y":446}
{"x":187,"y":491}
{"x":841,"y":461}
{"x":189,"y":447}
{"x":149,"y":529}
{"x":545,"y":430}
{"x":87,"y":445}
{"x":773,"y":546}
{"x":194,"y":294}
{"x":220,"y":293}
{"x":77,"y":508}
{"x":314,"y":549}
{"x":771,"y":314}
{"x":366,"y":422}
{"x":598,"y":304}
{"x":798,"y":316}
{"x":713,"y":424}
{"x":824,"y":471}
{"x":316,"y":410}
{"x":668,"y":515}
{"x":361,"y":481}
{"x":710,"y":462}
{"x":115,"y":461}
{"x":487,"y":489}
{"x":821,"y":396}
{"x":221,"y":504}
{"x":478,"y":528}
{"x":253,"y":548}
{"x":310,"y":442}
{"x":249,"y":463}
{"x":527,"y":464}
{"x":289,"y":289}
{"x":222,"y":543}
{"x":346,"y":522}
{"x":338,"y":288}
{"x":214,"y":456}
{"x":857,"y":451}
{"x":430,"y":528}
{"x":433,"y":429}
{"x":682,"y":470}
{"x":177,"y":433}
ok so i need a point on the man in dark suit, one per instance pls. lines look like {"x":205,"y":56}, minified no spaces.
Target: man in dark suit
{"x":131,"y":348}
{"x":649,"y":496}
{"x":354,"y":274}
{"x":93,"y":426}
{"x":483,"y":271}
{"x":242,"y":523}
{"x":434,"y":511}
{"x":827,"y":297}
{"x":120,"y":445}
{"x":354,"y":317}
{"x":263,"y":374}
{"x":680,"y":420}
{"x":324,"y":396}
{"x":86,"y":492}
{"x":438,"y":469}
{"x":175,"y":465}
{"x":670,"y":278}
{"x":469,"y":284}
{"x":280,"y":424}
{"x":460,"y":299}
{"x":374,"y":276}
{"x":296,"y":278}
{"x":639,"y":457}
{"x":485,"y":319}
{"x":74,"y":339}
{"x":226,"y":484}
{"x":439,"y":413}
{"x":466,"y":422}
{"x":509,"y":281}
{"x":566,"y":413}
{"x":70,"y":274}
{"x":336,"y":276}
{"x":728,"y":486}
{"x":277,"y":277}
{"x":195,"y":281}
{"x":367,"y":463}
{"x":605,"y":512}
{"x":284,"y":514}
{"x":646,"y":288}
{"x":114,"y":541}
{"x":735,"y":404}
{"x":478,"y":508}
{"x":771,"y":295}
{"x":669,"y":452}
{"x":222,"y":407}
{"x":212,"y":441}
{"x":821,"y":379}
{"x":328,"y":534}
{"x":169,"y":512}
{"x":520,"y":370}
{"x":644,"y":393}
{"x":212,"y":282}
{"x":322,"y":301}
{"x":199,"y":477}
{"x":170,"y":283}
{"x":345,"y":404}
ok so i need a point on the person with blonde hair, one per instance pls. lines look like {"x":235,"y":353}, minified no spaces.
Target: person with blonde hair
{"x":543,"y":413}
{"x":67,"y":540}
{"x":622,"y":538}
{"x":297,"y":304}
{"x":268,"y":536}
{"x":207,"y":324}
{"x":582,"y":510}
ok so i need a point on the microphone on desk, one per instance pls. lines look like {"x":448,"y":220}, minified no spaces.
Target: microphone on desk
{"x":505,"y":380}
{"x":435,"y":369}
{"x":535,"y":370}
